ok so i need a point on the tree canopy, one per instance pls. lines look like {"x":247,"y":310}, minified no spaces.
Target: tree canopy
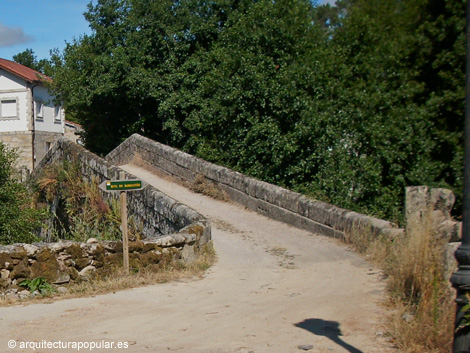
{"x":29,"y":59}
{"x":348,"y":104}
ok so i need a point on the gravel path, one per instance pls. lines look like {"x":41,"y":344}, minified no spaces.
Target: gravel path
{"x":274,"y":289}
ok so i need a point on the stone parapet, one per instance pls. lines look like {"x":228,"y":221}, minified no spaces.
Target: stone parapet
{"x":267,"y":199}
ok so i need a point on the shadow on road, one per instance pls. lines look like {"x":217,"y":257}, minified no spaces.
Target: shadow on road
{"x":329,"y":329}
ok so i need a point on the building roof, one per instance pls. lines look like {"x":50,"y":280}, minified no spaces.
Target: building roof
{"x":24,"y":72}
{"x":71,"y":123}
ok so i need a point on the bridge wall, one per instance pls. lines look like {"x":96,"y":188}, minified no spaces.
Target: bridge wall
{"x":267,"y":199}
{"x":158,"y":213}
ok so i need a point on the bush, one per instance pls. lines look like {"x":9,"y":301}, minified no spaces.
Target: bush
{"x":20,"y":219}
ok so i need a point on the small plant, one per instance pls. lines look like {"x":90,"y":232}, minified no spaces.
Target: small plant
{"x":38,"y":284}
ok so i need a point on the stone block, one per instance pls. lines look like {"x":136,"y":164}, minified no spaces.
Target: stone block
{"x":136,"y":246}
{"x":188,"y":253}
{"x":21,"y":270}
{"x":416,"y":203}
{"x":49,"y":270}
{"x":45,"y":255}
{"x":442,"y":200}
{"x":151,"y":257}
{"x":83,"y":262}
{"x":4,"y":257}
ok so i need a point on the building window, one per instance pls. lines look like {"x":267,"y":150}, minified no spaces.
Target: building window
{"x":57,"y":117}
{"x":39,"y":110}
{"x":8,"y":108}
{"x":48,"y":146}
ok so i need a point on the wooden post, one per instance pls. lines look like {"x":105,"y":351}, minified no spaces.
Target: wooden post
{"x":125,"y":239}
{"x":123,"y":186}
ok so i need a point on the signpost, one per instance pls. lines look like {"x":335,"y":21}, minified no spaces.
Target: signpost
{"x":123,"y":186}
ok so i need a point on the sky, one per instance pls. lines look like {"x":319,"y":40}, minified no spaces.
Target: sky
{"x":42,"y":25}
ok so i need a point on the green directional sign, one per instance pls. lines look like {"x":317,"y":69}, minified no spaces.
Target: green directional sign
{"x":123,"y":185}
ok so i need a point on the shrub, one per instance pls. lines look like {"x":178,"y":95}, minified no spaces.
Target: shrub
{"x":20,"y":219}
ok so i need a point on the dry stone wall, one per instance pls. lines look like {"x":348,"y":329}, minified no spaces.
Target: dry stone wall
{"x":267,"y":199}
{"x":67,"y":261}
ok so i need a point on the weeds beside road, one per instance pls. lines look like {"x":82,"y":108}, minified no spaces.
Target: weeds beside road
{"x":418,"y":290}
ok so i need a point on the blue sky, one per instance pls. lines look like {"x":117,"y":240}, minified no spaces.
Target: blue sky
{"x":42,"y":25}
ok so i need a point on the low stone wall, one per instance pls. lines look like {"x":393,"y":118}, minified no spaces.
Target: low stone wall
{"x":68,"y":261}
{"x":267,"y":199}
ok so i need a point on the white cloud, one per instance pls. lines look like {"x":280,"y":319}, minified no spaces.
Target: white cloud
{"x":10,"y":36}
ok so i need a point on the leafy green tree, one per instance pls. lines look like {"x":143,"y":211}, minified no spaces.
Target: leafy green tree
{"x":349,"y":104}
{"x":260,"y":88}
{"x":124,"y":77}
{"x":28,"y":59}
{"x":438,"y":55}
{"x":19,"y":219}
{"x":401,"y":86}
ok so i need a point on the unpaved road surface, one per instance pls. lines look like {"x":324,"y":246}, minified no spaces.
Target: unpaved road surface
{"x":273,"y":289}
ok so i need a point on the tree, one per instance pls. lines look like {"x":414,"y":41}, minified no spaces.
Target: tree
{"x":19,"y":219}
{"x":28,"y":59}
{"x":402,"y":85}
{"x":262,"y":84}
{"x":348,"y":104}
{"x":123,"y":78}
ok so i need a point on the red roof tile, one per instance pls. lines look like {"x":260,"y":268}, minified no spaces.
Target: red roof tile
{"x":22,"y":71}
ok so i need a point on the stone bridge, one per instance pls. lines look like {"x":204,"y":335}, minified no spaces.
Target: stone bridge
{"x":277,"y":286}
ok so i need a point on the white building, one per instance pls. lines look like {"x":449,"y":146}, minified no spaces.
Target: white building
{"x":29,"y":119}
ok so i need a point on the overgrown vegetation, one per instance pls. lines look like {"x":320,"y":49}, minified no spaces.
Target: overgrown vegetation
{"x":419,"y":293}
{"x":20,"y":218}
{"x":77,"y":207}
{"x":203,"y":186}
{"x":348,"y":104}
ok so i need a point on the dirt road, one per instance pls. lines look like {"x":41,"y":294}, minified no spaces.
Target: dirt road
{"x":273,"y":289}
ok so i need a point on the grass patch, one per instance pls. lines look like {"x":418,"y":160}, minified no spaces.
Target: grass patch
{"x":419,"y":295}
{"x":203,"y":186}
